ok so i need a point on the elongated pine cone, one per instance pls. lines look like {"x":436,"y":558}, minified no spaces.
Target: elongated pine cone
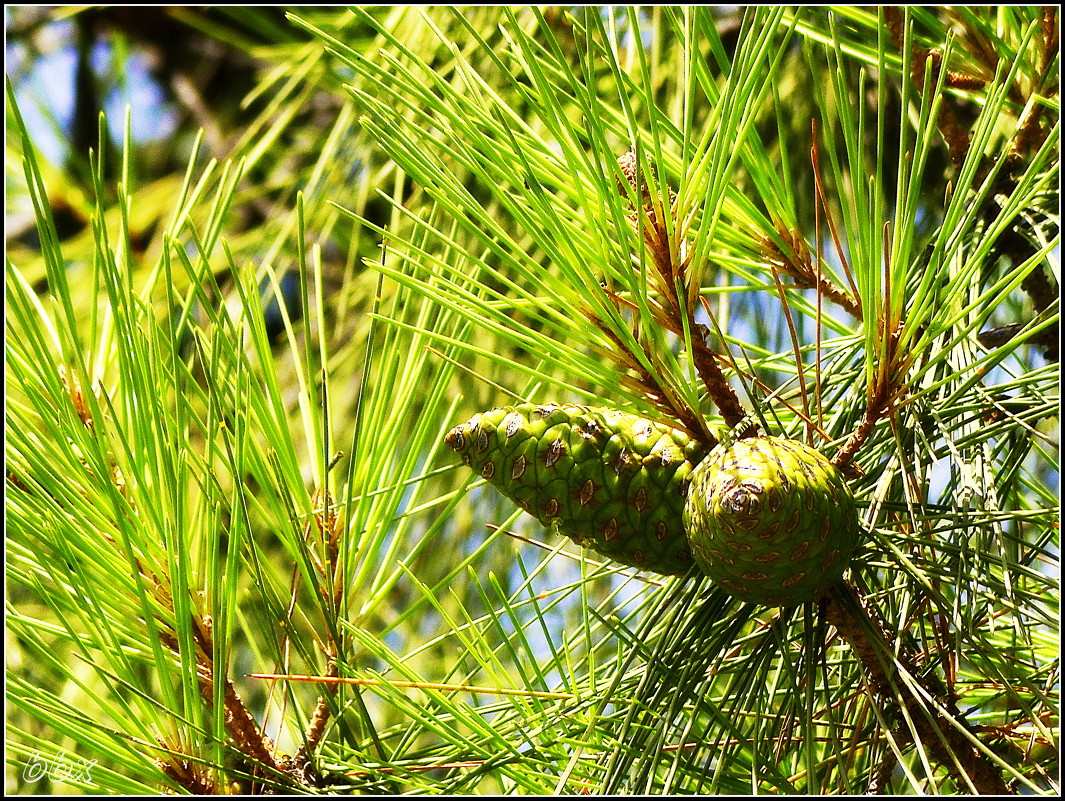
{"x":610,"y":481}
{"x":771,"y":520}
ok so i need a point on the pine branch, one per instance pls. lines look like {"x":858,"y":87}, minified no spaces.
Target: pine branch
{"x":858,"y":624}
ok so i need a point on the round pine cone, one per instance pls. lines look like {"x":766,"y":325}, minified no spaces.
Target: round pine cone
{"x":770,"y":520}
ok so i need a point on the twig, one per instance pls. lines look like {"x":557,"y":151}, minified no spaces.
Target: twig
{"x":799,"y":267}
{"x":864,"y":632}
{"x":676,"y":304}
{"x":925,"y":66}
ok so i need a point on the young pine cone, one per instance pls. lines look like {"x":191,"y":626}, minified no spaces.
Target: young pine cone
{"x":771,"y":520}
{"x":610,"y":481}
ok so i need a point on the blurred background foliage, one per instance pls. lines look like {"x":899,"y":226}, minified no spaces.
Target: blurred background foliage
{"x":244,"y":312}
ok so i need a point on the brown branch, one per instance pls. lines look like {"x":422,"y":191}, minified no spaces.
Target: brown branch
{"x":925,"y":66}
{"x":329,"y":531}
{"x":191,"y":775}
{"x":885,"y":383}
{"x":239,"y":723}
{"x":1037,"y":284}
{"x":244,"y":729}
{"x":861,"y":627}
{"x":705,"y":360}
{"x":800,"y":267}
{"x":676,"y":304}
{"x":1051,"y":24}
{"x":302,"y":759}
{"x":873,"y":412}
{"x":647,"y":384}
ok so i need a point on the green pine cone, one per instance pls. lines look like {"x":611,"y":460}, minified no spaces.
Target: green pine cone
{"x":610,"y":481}
{"x":771,"y":520}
